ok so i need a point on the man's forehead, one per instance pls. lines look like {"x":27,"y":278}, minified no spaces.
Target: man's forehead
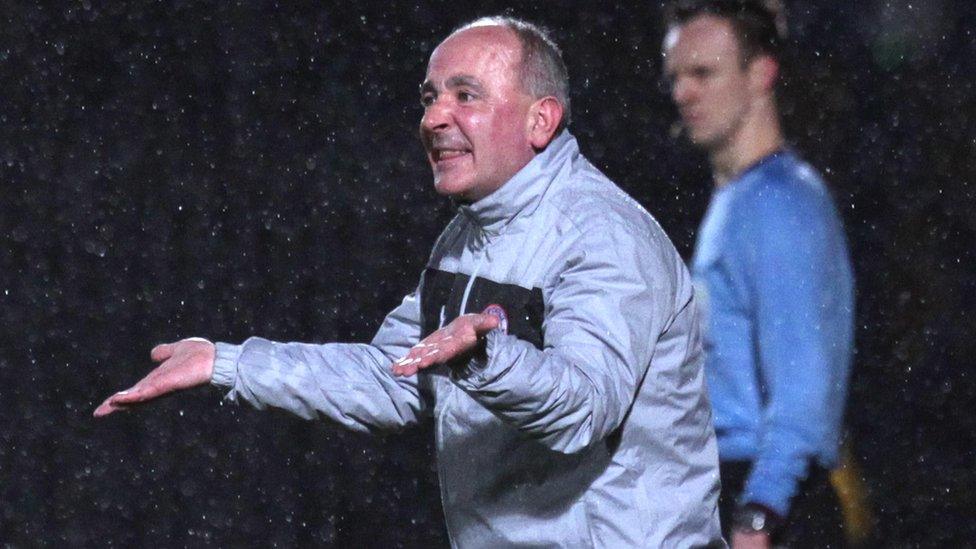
{"x":482,"y":35}
{"x":704,"y":39}
{"x":475,"y":47}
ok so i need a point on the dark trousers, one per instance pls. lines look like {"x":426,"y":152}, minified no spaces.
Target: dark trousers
{"x":815,"y":518}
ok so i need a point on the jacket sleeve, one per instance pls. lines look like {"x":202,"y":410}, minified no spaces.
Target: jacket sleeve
{"x":608,"y":299}
{"x":802,"y":297}
{"x":348,"y":383}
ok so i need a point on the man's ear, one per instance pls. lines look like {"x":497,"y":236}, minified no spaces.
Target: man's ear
{"x":544,"y":117}
{"x":763,"y":72}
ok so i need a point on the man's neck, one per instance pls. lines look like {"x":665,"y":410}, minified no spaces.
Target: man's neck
{"x":757,"y":138}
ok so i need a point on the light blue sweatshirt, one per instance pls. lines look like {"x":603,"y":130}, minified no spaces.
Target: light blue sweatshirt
{"x":773,"y":277}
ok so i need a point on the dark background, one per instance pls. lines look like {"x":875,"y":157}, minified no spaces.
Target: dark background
{"x":172,"y":169}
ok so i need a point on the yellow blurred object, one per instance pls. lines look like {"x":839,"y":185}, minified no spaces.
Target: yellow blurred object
{"x":852,"y":492}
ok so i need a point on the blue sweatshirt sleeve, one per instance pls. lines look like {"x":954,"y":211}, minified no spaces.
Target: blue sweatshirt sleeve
{"x":802,"y":293}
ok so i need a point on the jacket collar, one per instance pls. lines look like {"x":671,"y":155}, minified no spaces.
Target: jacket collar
{"x":523,"y":192}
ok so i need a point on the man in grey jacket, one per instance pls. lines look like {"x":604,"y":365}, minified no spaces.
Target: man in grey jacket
{"x":571,"y":411}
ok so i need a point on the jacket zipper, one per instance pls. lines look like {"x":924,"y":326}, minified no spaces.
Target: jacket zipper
{"x":454,"y":389}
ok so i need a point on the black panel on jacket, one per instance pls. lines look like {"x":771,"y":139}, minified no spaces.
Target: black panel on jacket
{"x":441,"y":293}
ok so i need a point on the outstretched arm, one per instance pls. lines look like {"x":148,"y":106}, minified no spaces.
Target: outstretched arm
{"x":183,"y":364}
{"x":351,"y":384}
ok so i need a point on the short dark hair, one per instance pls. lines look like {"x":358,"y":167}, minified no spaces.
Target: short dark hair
{"x":542,"y":70}
{"x":759,"y":25}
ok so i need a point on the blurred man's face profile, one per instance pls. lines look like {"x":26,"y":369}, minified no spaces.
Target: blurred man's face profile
{"x":709,"y":83}
{"x":475,"y":122}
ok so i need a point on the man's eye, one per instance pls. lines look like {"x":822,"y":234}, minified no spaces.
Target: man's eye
{"x":464,"y":96}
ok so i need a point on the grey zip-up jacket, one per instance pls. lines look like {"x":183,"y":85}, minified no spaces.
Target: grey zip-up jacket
{"x":588,"y":424}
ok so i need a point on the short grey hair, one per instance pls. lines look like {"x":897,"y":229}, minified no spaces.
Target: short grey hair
{"x":542,"y":71}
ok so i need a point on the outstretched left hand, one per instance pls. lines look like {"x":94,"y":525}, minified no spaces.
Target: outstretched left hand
{"x":457,"y":338}
{"x":184,"y":364}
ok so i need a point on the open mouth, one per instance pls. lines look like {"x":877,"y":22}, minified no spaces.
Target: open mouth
{"x":448,"y":155}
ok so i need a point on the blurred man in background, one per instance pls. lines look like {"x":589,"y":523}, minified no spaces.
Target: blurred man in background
{"x":571,"y":410}
{"x":772,"y":275}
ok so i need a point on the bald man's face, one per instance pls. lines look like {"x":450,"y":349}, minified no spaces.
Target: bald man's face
{"x":475,"y":126}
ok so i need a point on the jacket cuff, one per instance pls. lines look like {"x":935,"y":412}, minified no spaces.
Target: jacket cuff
{"x":225,"y":364}
{"x":774,"y":482}
{"x":775,"y":499}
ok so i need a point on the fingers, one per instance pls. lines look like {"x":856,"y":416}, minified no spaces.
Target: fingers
{"x":134,"y":395}
{"x":436,"y":349}
{"x":164,"y":351}
{"x":108,"y":407}
{"x":458,"y":337}
{"x":104,"y":408}
{"x":161,"y":352}
{"x":146,"y":389}
{"x":422,"y":355}
{"x":404,"y":367}
{"x":116,"y":402}
{"x":485,"y":323}
{"x":122,"y":400}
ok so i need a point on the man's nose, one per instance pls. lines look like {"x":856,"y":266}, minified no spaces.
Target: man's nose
{"x":437,"y":115}
{"x":682,"y":91}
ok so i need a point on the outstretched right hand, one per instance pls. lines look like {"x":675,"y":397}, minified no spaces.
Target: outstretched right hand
{"x":186,"y":363}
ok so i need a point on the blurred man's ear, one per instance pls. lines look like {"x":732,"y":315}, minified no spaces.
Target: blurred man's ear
{"x":763,"y":72}
{"x":544,"y":117}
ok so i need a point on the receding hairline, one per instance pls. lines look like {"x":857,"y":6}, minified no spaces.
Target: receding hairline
{"x":517,"y":49}
{"x":487,"y":27}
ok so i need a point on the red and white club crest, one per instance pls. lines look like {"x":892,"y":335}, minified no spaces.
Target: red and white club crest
{"x":498,"y":312}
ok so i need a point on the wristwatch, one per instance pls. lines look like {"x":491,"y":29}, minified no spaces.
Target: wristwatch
{"x":753,"y":517}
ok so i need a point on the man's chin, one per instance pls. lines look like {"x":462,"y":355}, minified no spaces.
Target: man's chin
{"x":703,"y":140}
{"x":451,"y":188}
